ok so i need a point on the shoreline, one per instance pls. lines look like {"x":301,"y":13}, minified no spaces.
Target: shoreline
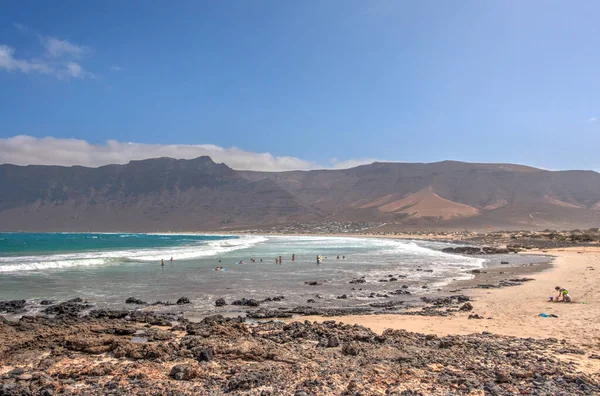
{"x":516,"y":351}
{"x":514,"y":311}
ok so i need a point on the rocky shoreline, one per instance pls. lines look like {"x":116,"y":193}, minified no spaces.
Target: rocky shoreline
{"x":129,"y":352}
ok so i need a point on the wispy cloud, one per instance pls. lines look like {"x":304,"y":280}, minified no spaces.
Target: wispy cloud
{"x":593,"y":119}
{"x":20,"y":27}
{"x":9,"y":62}
{"x":57,"y":48}
{"x":28,"y":150}
{"x":116,"y":68}
{"x":59,"y":58}
{"x":75,"y":70}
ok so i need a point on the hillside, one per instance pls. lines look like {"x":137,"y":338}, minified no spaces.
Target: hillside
{"x":151,"y":195}
{"x":183,"y":195}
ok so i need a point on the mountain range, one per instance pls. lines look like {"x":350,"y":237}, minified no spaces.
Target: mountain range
{"x":166,"y":194}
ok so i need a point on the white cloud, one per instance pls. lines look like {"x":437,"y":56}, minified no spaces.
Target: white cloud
{"x":57,"y":48}
{"x":20,"y":27}
{"x":351,"y":163}
{"x":75,"y":70}
{"x":60,"y":58}
{"x":593,"y":119}
{"x":116,"y":68}
{"x":10,"y":63}
{"x":28,"y":150}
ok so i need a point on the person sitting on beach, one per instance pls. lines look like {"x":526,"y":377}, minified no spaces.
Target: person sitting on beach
{"x":564,"y":293}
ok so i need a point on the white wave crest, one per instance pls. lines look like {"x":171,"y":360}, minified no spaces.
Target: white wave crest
{"x":82,"y":259}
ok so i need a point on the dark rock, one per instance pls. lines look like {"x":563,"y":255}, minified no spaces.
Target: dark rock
{"x":16,"y":371}
{"x":342,"y":297}
{"x":246,"y":302}
{"x":181,"y":372}
{"x":466,"y":307}
{"x":356,"y":281}
{"x":268,"y":314}
{"x":313,"y":283}
{"x":351,"y":349}
{"x":333,"y":342}
{"x":205,"y":355}
{"x":387,"y":304}
{"x":70,"y":308}
{"x":475,"y":316}
{"x":47,"y":302}
{"x":220,"y":302}
{"x":503,"y":262}
{"x":311,"y":301}
{"x":183,"y":300}
{"x":278,"y":298}
{"x":133,"y":300}
{"x":502,"y":376}
{"x":246,"y":381}
{"x":14,"y":306}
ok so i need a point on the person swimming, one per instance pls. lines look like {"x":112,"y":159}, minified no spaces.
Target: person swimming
{"x":564,"y":293}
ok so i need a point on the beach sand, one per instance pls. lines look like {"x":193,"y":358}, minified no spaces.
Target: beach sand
{"x":515,"y":311}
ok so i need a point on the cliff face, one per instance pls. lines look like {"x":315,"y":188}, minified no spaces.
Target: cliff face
{"x":150,"y":195}
{"x":167,"y":194}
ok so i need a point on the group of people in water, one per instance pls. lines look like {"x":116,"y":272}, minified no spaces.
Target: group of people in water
{"x":278,"y":260}
{"x":162,"y":262}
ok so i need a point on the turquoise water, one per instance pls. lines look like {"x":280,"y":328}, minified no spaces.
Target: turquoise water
{"x":107,"y":268}
{"x":13,"y":244}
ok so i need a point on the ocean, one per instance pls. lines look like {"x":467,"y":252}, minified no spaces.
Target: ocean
{"x":106,"y":269}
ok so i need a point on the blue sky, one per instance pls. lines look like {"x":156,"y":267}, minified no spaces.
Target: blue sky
{"x":304,"y":84}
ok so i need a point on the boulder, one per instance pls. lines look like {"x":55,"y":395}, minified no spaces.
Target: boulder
{"x":14,"y":306}
{"x":351,"y":349}
{"x":204,"y":354}
{"x":466,"y":307}
{"x":220,"y":302}
{"x":182,"y":372}
{"x":246,"y":302}
{"x":133,"y":300}
{"x":333,"y":342}
{"x":183,"y":300}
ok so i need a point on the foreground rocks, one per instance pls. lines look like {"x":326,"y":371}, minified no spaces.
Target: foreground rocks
{"x":123,"y":352}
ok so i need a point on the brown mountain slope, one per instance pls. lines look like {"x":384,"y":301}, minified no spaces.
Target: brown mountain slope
{"x":166,"y":194}
{"x":460,"y":194}
{"x":150,"y":195}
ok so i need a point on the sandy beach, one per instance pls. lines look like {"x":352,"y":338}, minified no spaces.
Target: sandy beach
{"x":515,"y":311}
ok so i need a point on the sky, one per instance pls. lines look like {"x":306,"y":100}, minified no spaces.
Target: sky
{"x":280,"y":85}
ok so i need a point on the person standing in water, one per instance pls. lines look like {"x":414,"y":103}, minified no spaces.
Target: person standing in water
{"x":162,"y":262}
{"x":293,"y":257}
{"x":171,"y":258}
